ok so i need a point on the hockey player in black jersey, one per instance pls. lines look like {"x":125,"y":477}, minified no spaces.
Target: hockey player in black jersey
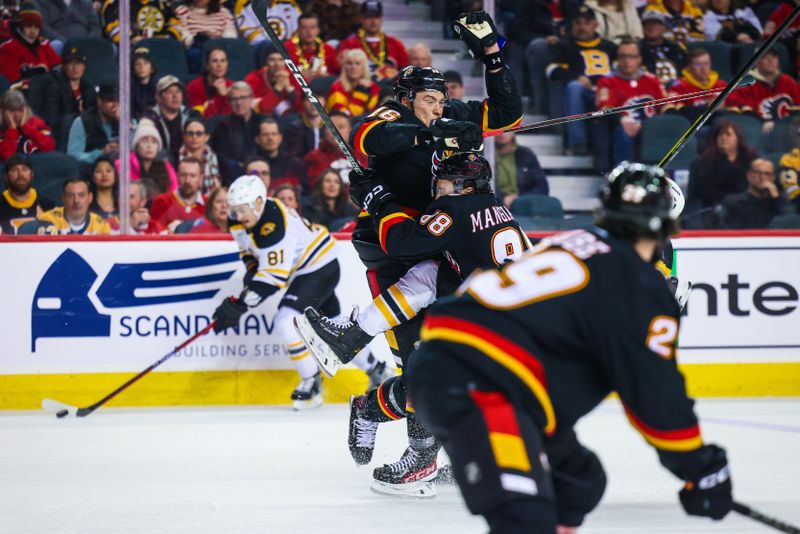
{"x":464,"y":229}
{"x":511,"y":362}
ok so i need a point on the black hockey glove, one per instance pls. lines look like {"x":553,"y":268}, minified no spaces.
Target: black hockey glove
{"x":455,"y":135}
{"x":368,"y":191}
{"x":477,"y":30}
{"x":251,"y":268}
{"x":228,"y":313}
{"x":709,"y":493}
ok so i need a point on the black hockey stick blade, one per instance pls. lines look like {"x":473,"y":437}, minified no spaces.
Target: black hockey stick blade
{"x":764,"y":519}
{"x":260,"y":8}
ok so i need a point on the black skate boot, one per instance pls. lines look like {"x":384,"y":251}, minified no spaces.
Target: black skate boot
{"x":361,"y":437}
{"x":308,"y":393}
{"x":412,"y":475}
{"x":332,"y":342}
{"x":378,"y":374}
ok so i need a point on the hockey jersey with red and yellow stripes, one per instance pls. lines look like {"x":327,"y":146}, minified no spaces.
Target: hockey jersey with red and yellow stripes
{"x":614,"y":91}
{"x":768,"y":101}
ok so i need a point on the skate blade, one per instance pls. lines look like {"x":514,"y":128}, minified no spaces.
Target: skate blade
{"x":320,"y":351}
{"x":423,"y":489}
{"x":310,"y":404}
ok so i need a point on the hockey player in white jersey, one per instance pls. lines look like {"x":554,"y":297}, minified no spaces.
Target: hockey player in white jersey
{"x":281,"y":250}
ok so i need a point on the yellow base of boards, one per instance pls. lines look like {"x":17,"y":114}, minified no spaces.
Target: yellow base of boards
{"x":23,"y":392}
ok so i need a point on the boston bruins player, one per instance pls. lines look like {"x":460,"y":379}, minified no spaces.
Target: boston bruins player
{"x":520,"y":354}
{"x":282,"y":250}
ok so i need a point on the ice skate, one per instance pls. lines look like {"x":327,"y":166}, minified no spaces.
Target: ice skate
{"x":413,"y":475}
{"x":378,"y":374}
{"x":308,"y":393}
{"x":361,"y":436}
{"x":332,"y":342}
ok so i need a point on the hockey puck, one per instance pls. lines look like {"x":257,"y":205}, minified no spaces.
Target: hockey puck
{"x":62,"y":413}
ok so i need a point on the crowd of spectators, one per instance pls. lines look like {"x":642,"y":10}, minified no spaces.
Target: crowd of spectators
{"x":192,"y":136}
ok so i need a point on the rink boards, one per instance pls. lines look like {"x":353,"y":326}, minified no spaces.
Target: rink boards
{"x":81,"y":315}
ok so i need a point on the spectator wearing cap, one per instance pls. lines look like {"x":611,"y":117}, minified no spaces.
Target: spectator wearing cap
{"x":195,"y":144}
{"x":329,"y":155}
{"x":197,"y":21}
{"x":149,"y":18}
{"x":143,"y":82}
{"x":338,"y":19}
{"x":697,"y":76}
{"x":616,"y":19}
{"x":420,"y":55}
{"x":27,"y":52}
{"x":283,"y":167}
{"x":455,"y":84}
{"x":683,"y":20}
{"x":354,"y":92}
{"x":65,"y":19}
{"x":186,"y":202}
{"x":518,"y":170}
{"x":21,"y":130}
{"x":140,"y":220}
{"x":386,"y":54}
{"x":96,"y":131}
{"x":233,"y":138}
{"x":20,"y":202}
{"x":731,"y":23}
{"x":660,"y":56}
{"x":273,"y":91}
{"x":68,"y":95}
{"x":758,"y":204}
{"x":169,"y":115}
{"x":312,"y":55}
{"x":208,"y":93}
{"x":75,"y":217}
{"x":155,"y":172}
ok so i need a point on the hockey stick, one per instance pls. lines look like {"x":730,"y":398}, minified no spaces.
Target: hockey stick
{"x":260,"y":10}
{"x":62,"y":410}
{"x":702,"y":119}
{"x":609,"y":111}
{"x":766,"y":520}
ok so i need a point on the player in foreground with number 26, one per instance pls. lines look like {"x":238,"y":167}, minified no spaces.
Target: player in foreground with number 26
{"x":518,"y":355}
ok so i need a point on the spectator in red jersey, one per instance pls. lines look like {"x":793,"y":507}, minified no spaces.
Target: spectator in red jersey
{"x":354,"y":92}
{"x":20,"y":130}
{"x":140,"y":220}
{"x":157,"y":174}
{"x":284,"y":168}
{"x":338,"y":19}
{"x":313,"y":57}
{"x":774,"y":95}
{"x":187,"y":202}
{"x":208,"y":93}
{"x":273,"y":90}
{"x":105,"y":190}
{"x":721,"y":168}
{"x":233,"y":139}
{"x":329,"y":201}
{"x":698,"y":76}
{"x":329,"y":155}
{"x":195,"y":144}
{"x":627,"y":84}
{"x":197,"y":21}
{"x":258,"y":166}
{"x":288,"y":194}
{"x":216,"y":217}
{"x":386,"y":54}
{"x":68,"y":95}
{"x":27,"y":53}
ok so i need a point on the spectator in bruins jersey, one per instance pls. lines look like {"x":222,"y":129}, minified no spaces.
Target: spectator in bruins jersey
{"x":758,"y":204}
{"x":96,"y":130}
{"x":105,"y":190}
{"x":627,"y":84}
{"x":75,"y":217}
{"x":21,"y":130}
{"x":518,"y":171}
{"x":186,"y":202}
{"x":20,"y":201}
{"x":721,"y":168}
{"x":774,"y":95}
{"x":697,"y":76}
{"x":660,"y":56}
{"x":728,"y":22}
{"x":68,"y":95}
{"x":617,"y":19}
{"x":208,"y":93}
{"x":354,"y":92}
{"x":143,"y":82}
{"x":684,"y":21}
{"x":579,"y":62}
{"x":27,"y":53}
{"x":149,"y":18}
{"x":329,"y":202}
{"x":282,"y":16}
{"x":274,"y":92}
{"x":790,"y":168}
{"x":328,"y":154}
{"x":312,"y":55}
{"x":197,"y":21}
{"x":386,"y":54}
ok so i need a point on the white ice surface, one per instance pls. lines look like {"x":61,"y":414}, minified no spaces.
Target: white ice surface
{"x":269,"y":470}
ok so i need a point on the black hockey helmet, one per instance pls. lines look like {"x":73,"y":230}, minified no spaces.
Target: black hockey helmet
{"x":636,"y":202}
{"x":412,"y":80}
{"x":464,"y":170}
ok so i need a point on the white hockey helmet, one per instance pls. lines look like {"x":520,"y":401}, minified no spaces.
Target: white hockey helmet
{"x":247,"y":189}
{"x":678,"y":200}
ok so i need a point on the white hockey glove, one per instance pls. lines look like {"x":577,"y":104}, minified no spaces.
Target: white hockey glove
{"x":477,"y":30}
{"x":680,"y":290}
